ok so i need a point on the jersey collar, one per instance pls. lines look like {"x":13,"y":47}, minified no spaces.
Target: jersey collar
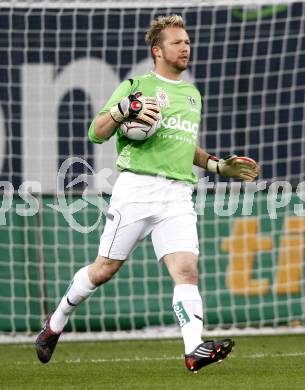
{"x":165,"y":79}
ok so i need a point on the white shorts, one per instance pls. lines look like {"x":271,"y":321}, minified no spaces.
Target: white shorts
{"x":143,"y":204}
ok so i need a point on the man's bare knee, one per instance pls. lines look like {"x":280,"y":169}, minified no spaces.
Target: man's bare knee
{"x":103,"y":269}
{"x":182,"y":267}
{"x":186,"y":275}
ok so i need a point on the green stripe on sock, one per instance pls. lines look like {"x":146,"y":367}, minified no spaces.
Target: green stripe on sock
{"x":181,"y":314}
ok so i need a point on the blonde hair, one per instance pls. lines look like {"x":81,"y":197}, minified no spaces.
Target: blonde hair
{"x":153,"y":36}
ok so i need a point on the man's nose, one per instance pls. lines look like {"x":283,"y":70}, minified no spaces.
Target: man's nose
{"x":185,"y":48}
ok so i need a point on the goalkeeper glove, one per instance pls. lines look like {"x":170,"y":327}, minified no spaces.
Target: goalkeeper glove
{"x":136,"y":106}
{"x":236,"y":167}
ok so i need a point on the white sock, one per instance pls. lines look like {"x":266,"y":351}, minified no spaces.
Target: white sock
{"x":187,"y":305}
{"x":80,"y":289}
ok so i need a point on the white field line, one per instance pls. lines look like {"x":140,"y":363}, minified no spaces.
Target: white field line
{"x":160,"y":358}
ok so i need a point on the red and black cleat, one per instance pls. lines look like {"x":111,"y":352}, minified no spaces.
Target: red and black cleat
{"x":210,"y":351}
{"x":46,"y":341}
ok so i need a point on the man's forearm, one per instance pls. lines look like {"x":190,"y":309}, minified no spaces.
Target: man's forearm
{"x":201,"y":157}
{"x":104,"y":125}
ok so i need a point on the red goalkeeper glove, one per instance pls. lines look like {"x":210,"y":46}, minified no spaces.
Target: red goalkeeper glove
{"x":136,"y":106}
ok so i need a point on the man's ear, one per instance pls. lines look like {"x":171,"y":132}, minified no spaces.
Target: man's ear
{"x":156,"y":51}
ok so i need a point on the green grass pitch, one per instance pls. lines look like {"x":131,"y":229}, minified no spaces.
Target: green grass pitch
{"x":258,"y":362}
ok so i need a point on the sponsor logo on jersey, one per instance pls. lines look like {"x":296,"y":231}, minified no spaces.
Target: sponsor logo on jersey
{"x":175,"y":122}
{"x":162,"y":97}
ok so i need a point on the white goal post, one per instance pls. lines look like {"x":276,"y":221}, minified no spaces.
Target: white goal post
{"x":60,"y":61}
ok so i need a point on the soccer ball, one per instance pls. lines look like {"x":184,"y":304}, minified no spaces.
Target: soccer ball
{"x":138,"y":130}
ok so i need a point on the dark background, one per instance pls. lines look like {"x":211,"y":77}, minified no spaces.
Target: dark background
{"x":250,"y":72}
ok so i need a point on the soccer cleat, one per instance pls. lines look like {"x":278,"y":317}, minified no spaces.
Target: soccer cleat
{"x":210,"y":351}
{"x":46,"y":341}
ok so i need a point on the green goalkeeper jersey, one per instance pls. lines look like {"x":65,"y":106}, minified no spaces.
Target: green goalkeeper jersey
{"x":170,"y":151}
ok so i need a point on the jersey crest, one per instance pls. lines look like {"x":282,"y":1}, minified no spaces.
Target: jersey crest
{"x":162,"y":97}
{"x":192,"y":100}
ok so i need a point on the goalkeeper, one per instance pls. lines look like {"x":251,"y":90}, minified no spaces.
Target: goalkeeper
{"x":153,"y":193}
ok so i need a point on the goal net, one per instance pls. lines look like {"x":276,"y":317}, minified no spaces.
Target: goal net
{"x":60,"y":61}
